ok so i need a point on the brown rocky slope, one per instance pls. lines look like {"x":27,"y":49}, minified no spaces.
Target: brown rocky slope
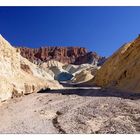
{"x":68,"y":55}
{"x":122,"y":69}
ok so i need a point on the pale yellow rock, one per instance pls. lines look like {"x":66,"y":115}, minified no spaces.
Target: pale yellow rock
{"x":9,"y":59}
{"x":18,"y":75}
{"x":122,"y":69}
{"x":84,"y":75}
{"x":53,"y":67}
{"x":5,"y":89}
{"x":52,"y":63}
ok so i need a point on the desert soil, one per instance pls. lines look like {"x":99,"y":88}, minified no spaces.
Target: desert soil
{"x":69,"y":112}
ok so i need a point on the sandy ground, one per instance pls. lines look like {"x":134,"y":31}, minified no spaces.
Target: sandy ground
{"x":91,"y":111}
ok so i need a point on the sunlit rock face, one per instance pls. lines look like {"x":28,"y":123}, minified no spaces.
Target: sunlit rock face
{"x":56,"y":69}
{"x":66,"y":55}
{"x":122,"y":69}
{"x":70,"y":72}
{"x":9,"y":67}
{"x":84,"y":73}
{"x":18,"y":75}
{"x":9,"y":59}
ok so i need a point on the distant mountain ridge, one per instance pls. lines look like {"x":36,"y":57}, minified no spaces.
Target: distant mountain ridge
{"x":67,"y":55}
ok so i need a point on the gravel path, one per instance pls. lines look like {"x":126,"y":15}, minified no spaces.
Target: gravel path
{"x":70,"y":113}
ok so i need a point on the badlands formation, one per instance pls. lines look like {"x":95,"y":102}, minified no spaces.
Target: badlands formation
{"x":66,"y":55}
{"x":122,"y":69}
{"x":61,"y":101}
{"x":18,"y":75}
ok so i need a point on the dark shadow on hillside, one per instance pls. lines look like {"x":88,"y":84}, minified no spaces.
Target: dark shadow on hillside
{"x":65,"y":84}
{"x":93,"y":93}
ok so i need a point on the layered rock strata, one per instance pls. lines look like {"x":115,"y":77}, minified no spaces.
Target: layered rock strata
{"x":18,"y":75}
{"x":66,"y":55}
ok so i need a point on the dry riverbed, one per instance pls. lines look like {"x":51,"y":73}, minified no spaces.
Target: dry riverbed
{"x":70,"y":113}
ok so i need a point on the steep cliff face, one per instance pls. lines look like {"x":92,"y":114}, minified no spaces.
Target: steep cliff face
{"x":68,"y":55}
{"x":18,"y":75}
{"x":122,"y":69}
{"x":90,"y":57}
{"x":9,"y":59}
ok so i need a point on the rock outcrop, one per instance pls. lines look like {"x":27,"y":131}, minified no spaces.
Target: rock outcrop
{"x":52,"y":63}
{"x":56,"y":70}
{"x":90,"y":58}
{"x":122,"y":69}
{"x":84,"y":73}
{"x":70,"y":72}
{"x":18,"y":75}
{"x":66,"y":55}
{"x":82,"y":76}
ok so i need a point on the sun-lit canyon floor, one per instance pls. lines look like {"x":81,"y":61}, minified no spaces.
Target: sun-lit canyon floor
{"x":71,"y":110}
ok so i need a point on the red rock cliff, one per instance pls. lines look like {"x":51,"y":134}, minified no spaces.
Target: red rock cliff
{"x":73,"y":55}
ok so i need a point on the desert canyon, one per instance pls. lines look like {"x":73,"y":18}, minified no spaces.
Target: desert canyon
{"x":73,"y":90}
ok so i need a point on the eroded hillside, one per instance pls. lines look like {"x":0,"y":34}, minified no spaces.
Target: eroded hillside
{"x":18,"y":75}
{"x":122,"y":69}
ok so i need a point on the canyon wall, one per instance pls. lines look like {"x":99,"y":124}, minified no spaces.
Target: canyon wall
{"x":18,"y":75}
{"x":122,"y":69}
{"x":66,"y":55}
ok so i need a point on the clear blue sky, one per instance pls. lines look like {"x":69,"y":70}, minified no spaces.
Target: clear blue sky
{"x":100,"y":29}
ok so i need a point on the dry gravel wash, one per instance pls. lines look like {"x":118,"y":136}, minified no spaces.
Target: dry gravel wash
{"x":57,"y":113}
